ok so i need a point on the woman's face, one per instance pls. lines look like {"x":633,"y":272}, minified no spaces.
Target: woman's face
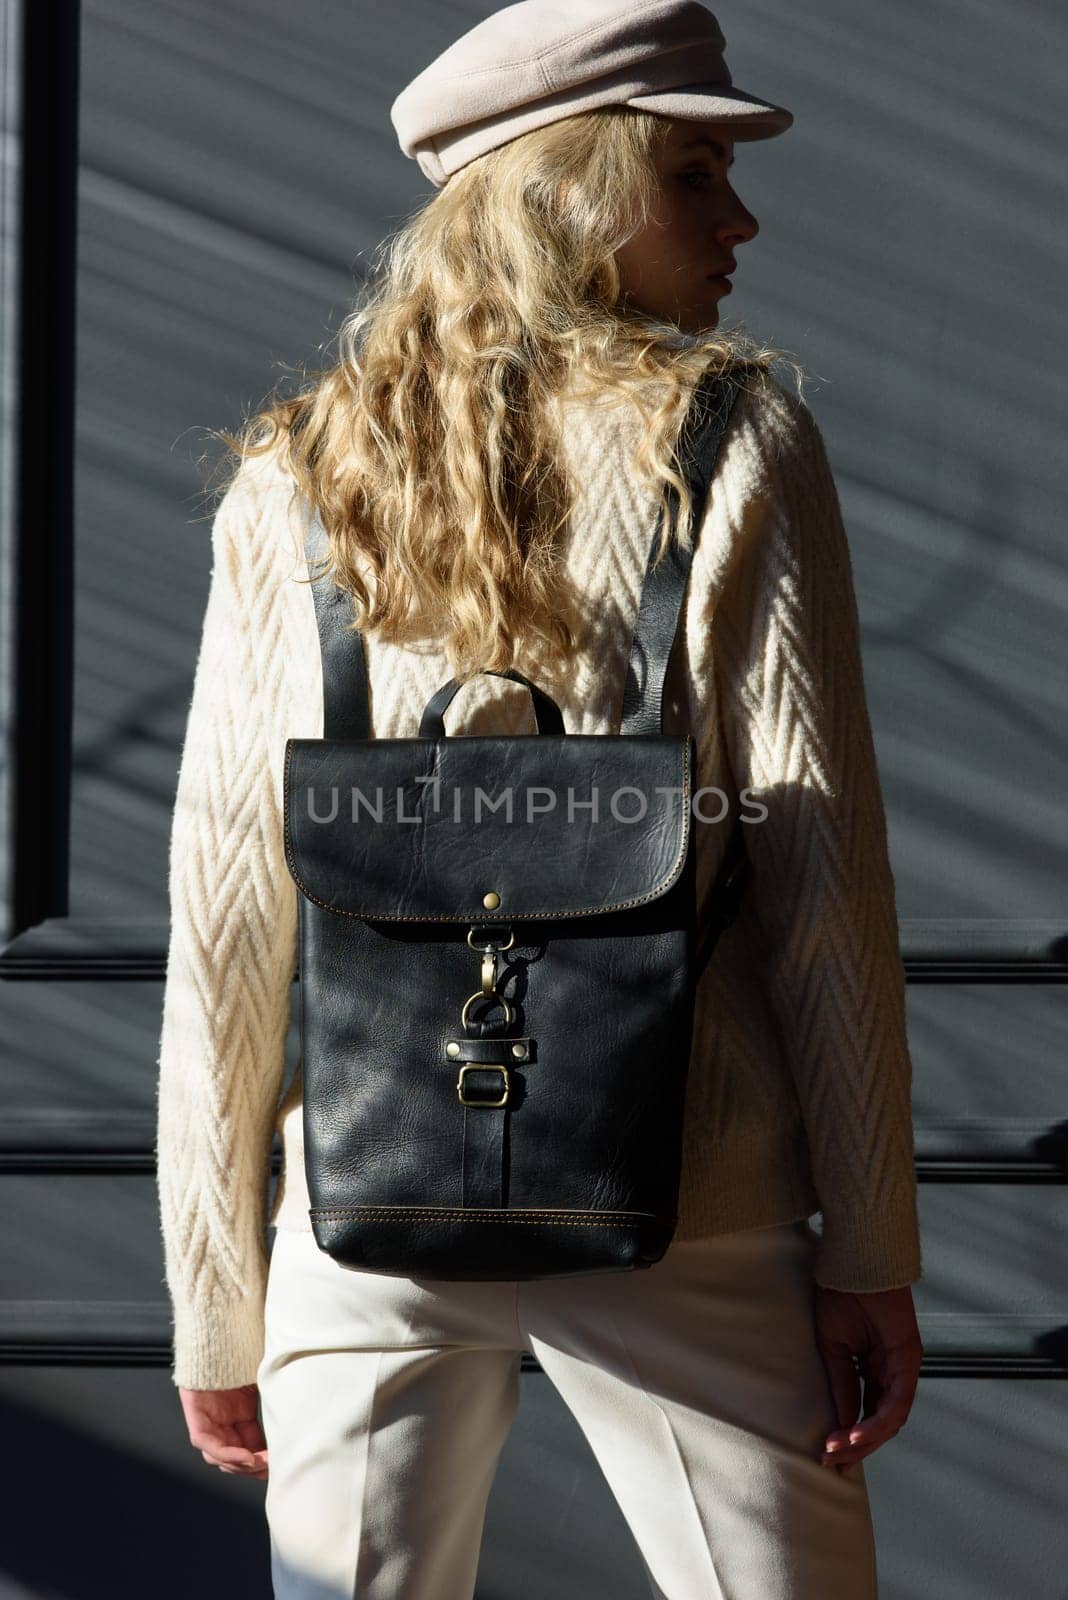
{"x":671,"y":268}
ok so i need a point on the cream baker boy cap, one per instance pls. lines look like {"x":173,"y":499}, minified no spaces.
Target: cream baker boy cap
{"x":536,"y":62}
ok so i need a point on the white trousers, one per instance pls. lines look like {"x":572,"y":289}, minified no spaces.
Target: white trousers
{"x":697,"y":1382}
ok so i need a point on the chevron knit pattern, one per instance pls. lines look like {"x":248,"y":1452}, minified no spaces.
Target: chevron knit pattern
{"x":798,"y":1097}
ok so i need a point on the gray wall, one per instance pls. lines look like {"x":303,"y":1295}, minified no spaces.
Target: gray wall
{"x":237,"y":169}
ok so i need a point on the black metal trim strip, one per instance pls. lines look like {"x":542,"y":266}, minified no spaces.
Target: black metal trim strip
{"x":943,"y":1169}
{"x":71,"y":1353}
{"x":1007,"y":951}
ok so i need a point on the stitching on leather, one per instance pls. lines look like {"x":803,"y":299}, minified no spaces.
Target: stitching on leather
{"x":578,"y":1219}
{"x":515,"y":916}
{"x":526,"y":1222}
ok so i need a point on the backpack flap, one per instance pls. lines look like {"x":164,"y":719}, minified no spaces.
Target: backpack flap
{"x":410,"y":829}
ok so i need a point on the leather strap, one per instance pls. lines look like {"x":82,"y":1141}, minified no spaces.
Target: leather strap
{"x":547,"y":714}
{"x":482,"y":1170}
{"x":659,"y":616}
{"x":725,"y":898}
{"x":660,"y":607}
{"x":346,"y":685}
{"x":485,"y":1067}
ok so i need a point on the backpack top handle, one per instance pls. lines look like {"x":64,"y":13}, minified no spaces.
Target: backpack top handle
{"x":547,"y":713}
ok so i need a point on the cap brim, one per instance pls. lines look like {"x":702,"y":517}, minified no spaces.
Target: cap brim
{"x":749,"y":117}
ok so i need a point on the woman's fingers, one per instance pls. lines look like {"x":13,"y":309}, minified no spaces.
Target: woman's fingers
{"x":886,"y":1413}
{"x":888,"y":1418}
{"x":253,"y":1463}
{"x":845,"y":1382}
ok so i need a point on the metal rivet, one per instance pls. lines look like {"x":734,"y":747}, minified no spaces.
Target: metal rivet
{"x":492,"y":900}
{"x":452,"y":1048}
{"x":519,"y":1051}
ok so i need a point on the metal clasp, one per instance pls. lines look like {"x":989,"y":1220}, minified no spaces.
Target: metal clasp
{"x":489,"y":953}
{"x":492,"y":943}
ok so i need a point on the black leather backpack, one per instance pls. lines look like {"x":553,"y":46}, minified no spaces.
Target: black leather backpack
{"x":499,"y":952}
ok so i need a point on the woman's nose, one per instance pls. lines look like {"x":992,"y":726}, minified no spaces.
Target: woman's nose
{"x":738,"y":224}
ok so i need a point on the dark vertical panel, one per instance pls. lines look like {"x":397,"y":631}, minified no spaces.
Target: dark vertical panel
{"x":42,"y":565}
{"x":10,"y":168}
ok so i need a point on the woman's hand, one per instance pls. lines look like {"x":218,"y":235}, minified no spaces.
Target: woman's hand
{"x":880,"y":1329}
{"x":224,"y":1426}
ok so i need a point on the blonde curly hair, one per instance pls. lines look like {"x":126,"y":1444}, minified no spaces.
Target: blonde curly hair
{"x":431,"y":448}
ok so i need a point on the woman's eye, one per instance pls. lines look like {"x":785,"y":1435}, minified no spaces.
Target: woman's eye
{"x":697,"y":173}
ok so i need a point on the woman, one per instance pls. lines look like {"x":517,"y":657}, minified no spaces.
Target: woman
{"x":488,"y":456}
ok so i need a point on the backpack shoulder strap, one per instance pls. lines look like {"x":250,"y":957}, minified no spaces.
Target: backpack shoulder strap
{"x":660,"y":606}
{"x":346,"y":687}
{"x":659,"y":614}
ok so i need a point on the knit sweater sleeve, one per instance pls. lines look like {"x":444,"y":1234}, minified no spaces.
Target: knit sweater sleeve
{"x":799,"y":740}
{"x":231,"y":960}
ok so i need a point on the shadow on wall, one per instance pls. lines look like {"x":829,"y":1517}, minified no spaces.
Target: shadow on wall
{"x":84,"y":1520}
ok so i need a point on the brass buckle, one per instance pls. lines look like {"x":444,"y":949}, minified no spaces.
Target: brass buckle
{"x":483,"y":1066}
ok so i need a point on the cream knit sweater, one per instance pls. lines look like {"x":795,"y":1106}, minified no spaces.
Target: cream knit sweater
{"x":798,"y":1095}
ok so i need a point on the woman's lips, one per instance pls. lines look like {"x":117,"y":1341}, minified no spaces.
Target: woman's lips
{"x":723,"y":281}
